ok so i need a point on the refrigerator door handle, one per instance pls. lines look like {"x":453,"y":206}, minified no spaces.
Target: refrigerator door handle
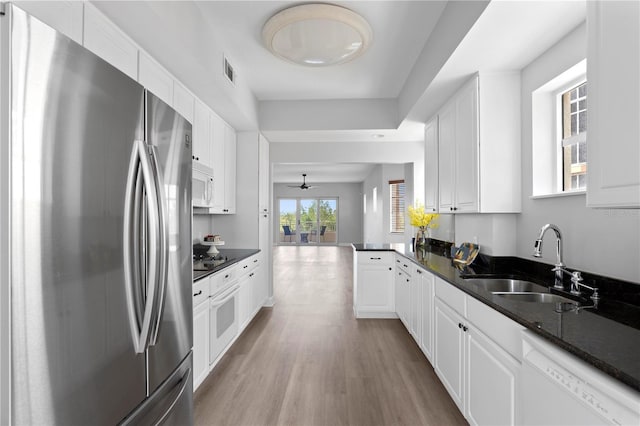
{"x":163,"y":237}
{"x":139,"y":165}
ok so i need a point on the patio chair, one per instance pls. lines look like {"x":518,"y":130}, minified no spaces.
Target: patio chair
{"x":322,"y":229}
{"x":288,"y":232}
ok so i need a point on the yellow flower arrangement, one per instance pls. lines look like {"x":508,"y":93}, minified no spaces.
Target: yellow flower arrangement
{"x":418,"y":217}
{"x":423,"y":220}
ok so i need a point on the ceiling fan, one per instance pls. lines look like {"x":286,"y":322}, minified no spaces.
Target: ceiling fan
{"x":304,"y":185}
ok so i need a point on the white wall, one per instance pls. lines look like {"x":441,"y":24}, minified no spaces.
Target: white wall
{"x":601,"y":241}
{"x":202,"y":225}
{"x":373,"y":224}
{"x":377,"y":219}
{"x":347,"y":152}
{"x":349,"y":206}
{"x":496,"y":233}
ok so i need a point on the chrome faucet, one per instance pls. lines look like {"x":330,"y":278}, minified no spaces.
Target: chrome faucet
{"x":537,"y":252}
{"x":559,"y":267}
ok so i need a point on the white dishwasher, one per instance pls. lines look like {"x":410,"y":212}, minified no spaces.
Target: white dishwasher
{"x":556,"y":388}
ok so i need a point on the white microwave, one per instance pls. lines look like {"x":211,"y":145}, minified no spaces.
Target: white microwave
{"x":202,"y":185}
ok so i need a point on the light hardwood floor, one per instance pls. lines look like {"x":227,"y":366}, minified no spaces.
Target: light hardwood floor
{"x":308,"y":361}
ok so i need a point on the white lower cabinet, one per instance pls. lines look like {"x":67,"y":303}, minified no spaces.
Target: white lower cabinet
{"x":251,"y":293}
{"x":414,"y":303}
{"x":402,"y":284}
{"x":373,"y":291}
{"x":491,"y":379}
{"x":223,"y":304}
{"x":200,"y":331}
{"x":426,"y":312}
{"x":479,"y":374}
{"x":449,"y":351}
{"x":259,"y":294}
{"x":200,"y":343}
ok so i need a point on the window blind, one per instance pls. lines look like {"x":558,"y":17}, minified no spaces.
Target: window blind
{"x":396,"y":191}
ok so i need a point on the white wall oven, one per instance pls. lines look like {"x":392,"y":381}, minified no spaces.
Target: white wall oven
{"x":224,"y":319}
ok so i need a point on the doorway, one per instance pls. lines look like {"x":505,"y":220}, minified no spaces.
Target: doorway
{"x":307,"y":221}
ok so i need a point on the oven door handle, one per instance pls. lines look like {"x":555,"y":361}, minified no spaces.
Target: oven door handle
{"x":225,"y":297}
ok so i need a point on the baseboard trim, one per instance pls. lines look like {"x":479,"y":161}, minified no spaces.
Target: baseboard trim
{"x":269,"y":303}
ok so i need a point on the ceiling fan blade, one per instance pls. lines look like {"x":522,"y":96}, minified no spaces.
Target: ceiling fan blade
{"x":304,"y":185}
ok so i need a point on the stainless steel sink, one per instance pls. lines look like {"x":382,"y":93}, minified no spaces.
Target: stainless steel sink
{"x":536,"y":297}
{"x":507,"y":285}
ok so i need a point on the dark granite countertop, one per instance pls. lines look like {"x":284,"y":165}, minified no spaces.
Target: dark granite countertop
{"x":607,"y":337}
{"x":233,"y":256}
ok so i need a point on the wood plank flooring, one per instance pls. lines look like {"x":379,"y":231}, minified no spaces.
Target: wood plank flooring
{"x":308,"y":361}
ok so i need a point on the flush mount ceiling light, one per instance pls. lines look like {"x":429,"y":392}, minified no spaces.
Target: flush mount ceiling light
{"x":317,"y":34}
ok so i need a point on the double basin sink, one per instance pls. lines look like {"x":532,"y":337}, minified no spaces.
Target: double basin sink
{"x":520,"y":290}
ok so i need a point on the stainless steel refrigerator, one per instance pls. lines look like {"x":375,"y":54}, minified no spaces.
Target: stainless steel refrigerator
{"x":101,"y":315}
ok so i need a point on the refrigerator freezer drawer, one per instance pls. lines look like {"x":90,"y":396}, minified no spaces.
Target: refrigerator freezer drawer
{"x":171,"y":403}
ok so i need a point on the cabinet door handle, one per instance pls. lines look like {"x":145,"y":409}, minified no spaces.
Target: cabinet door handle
{"x":459,"y":325}
{"x":405,"y":265}
{"x":226,"y":276}
{"x":255,"y":260}
{"x":245,"y":266}
{"x":375,"y":258}
{"x":465,"y":328}
{"x":197,"y":294}
{"x":418,"y":271}
{"x":390,"y":268}
{"x":251,"y":274}
{"x":407,"y":279}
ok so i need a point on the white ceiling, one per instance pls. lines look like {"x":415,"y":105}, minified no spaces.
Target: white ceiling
{"x":394,"y":85}
{"x":400,"y":30}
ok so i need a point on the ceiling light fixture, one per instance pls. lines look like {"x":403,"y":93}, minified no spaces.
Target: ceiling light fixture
{"x":317,"y":34}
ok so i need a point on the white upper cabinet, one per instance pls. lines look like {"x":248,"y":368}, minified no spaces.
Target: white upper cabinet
{"x":63,"y":16}
{"x":202,"y":134}
{"x":613,"y":55}
{"x":446,"y":157}
{"x":183,"y":101}
{"x":217,"y":160}
{"x":223,"y":158}
{"x":466,"y":149}
{"x":479,"y":147}
{"x":155,"y":78}
{"x":229,"y":170}
{"x":106,"y":40}
{"x":431,"y":165}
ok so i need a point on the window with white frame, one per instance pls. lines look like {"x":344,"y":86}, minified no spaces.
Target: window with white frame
{"x":559,"y":134}
{"x":396,"y":207}
{"x":574,"y":138}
